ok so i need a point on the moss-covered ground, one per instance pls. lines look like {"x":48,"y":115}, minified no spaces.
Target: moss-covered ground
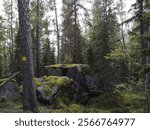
{"x":116,"y":101}
{"x":126,"y":102}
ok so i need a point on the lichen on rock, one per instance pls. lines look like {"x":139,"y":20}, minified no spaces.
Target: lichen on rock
{"x":50,"y":87}
{"x":65,"y":80}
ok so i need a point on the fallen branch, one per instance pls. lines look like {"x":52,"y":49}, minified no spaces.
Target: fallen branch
{"x":11,"y":77}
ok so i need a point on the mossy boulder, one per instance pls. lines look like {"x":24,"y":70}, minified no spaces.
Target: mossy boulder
{"x":49,"y":88}
{"x":81,"y":73}
{"x":61,"y":69}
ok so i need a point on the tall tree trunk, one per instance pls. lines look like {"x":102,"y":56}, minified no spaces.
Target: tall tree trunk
{"x":143,"y":59}
{"x":12,"y":41}
{"x":5,"y":60}
{"x":29,"y":96}
{"x":144,"y":46}
{"x":124,"y":43}
{"x":57,"y":29}
{"x":37,"y":43}
{"x":75,"y":56}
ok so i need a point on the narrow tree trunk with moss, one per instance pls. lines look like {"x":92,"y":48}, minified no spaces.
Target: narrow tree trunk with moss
{"x":29,"y":96}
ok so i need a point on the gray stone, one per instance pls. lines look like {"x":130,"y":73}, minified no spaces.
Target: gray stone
{"x":9,"y":91}
{"x":90,"y":82}
{"x":76,"y":75}
{"x":82,"y":81}
{"x":72,"y":92}
{"x":54,"y":72}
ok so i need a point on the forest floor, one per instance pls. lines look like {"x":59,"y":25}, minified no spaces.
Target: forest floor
{"x":128,"y":103}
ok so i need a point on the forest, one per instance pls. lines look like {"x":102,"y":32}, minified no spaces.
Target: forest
{"x":75,"y":56}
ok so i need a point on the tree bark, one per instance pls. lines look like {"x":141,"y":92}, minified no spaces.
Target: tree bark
{"x":57,"y":27}
{"x":37,"y":43}
{"x":12,"y":41}
{"x":5,"y":59}
{"x":144,"y":46}
{"x":29,"y":96}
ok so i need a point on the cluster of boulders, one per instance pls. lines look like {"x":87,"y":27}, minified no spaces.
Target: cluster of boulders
{"x":70,"y":81}
{"x":79,"y":78}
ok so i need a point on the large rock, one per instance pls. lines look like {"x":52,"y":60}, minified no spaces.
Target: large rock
{"x":51,"y":88}
{"x":54,"y":71}
{"x":79,"y":73}
{"x":90,"y":82}
{"x":9,"y":91}
{"x":76,"y":75}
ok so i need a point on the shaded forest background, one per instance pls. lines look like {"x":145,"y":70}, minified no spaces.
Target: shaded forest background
{"x":118,"y":58}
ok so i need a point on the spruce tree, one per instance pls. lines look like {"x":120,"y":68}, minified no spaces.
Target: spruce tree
{"x":103,"y":38}
{"x":71,"y":33}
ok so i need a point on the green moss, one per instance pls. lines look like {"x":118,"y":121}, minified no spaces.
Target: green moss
{"x":11,"y":107}
{"x":21,"y":89}
{"x":50,"y":80}
{"x":63,"y":82}
{"x":62,"y":66}
{"x":62,"y":105}
{"x":47,"y":90}
{"x":133,"y":99}
{"x":85,"y":69}
{"x":55,"y":66}
{"x":54,"y":80}
{"x":37,"y":82}
{"x":74,"y":108}
{"x":71,"y":65}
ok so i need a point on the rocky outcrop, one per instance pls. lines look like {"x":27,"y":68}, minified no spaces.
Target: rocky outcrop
{"x":51,"y":88}
{"x":71,"y":81}
{"x":9,"y":91}
{"x":81,"y":73}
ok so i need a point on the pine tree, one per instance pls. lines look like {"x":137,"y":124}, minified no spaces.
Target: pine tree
{"x":17,"y":53}
{"x":140,"y":41}
{"x":58,"y":33}
{"x":48,"y":57}
{"x":37,"y":41}
{"x":144,"y":17}
{"x":8,"y":8}
{"x":25,"y":39}
{"x":1,"y":38}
